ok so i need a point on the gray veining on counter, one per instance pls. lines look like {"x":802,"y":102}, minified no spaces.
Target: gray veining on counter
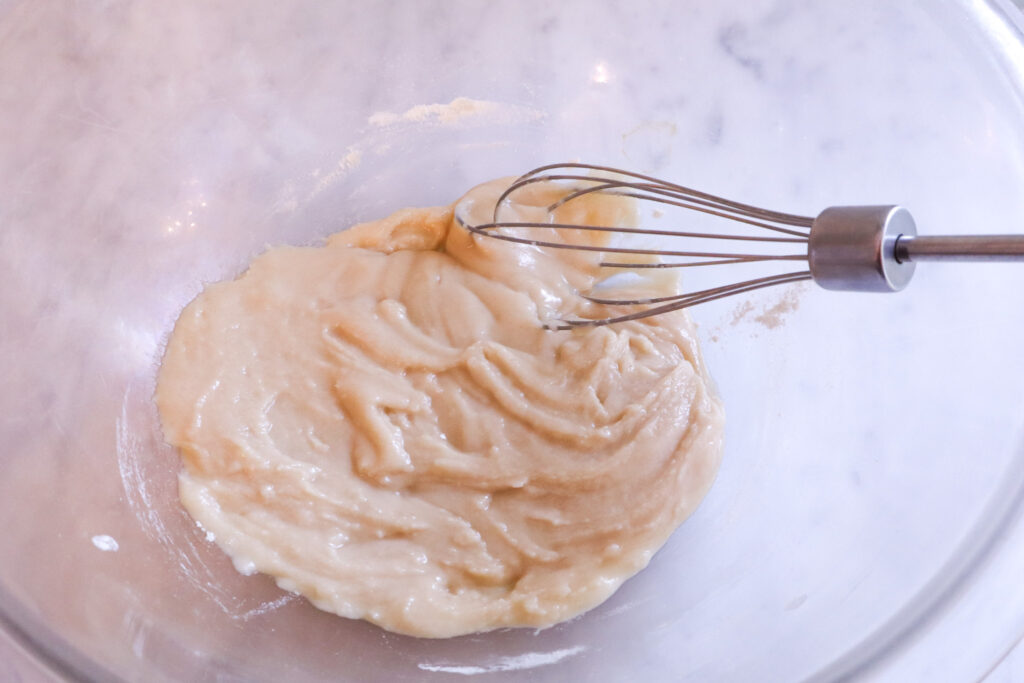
{"x":149,"y":148}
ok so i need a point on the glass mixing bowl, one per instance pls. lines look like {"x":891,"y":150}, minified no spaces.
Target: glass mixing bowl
{"x":865,"y":518}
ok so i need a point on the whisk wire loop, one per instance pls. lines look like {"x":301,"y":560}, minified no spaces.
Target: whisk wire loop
{"x":782,"y":229}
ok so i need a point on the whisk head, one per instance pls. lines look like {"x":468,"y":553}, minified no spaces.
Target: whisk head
{"x":767,"y":237}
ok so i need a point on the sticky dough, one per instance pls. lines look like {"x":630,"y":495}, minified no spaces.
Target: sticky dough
{"x":383,"y":425}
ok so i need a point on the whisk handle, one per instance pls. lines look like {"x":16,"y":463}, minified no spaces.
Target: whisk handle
{"x":909,"y":249}
{"x":875,"y":248}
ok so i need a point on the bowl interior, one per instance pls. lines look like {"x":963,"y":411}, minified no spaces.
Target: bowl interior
{"x":167,"y":145}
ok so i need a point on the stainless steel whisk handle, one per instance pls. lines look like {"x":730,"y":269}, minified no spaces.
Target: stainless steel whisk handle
{"x":875,"y":248}
{"x":960,"y":248}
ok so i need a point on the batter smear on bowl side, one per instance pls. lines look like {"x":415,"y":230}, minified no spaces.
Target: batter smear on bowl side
{"x":383,"y":424}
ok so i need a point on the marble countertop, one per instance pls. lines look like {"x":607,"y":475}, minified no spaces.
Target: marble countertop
{"x":149,"y":148}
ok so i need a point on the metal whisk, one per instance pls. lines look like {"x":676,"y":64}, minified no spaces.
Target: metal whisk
{"x":852,"y":248}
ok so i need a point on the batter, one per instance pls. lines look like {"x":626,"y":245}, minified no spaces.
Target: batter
{"x":383,"y":425}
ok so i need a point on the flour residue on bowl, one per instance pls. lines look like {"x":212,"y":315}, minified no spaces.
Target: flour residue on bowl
{"x":773,"y":314}
{"x":348,"y":162}
{"x":458,"y":110}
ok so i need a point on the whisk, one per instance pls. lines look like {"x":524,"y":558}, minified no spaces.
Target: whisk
{"x":852,"y":248}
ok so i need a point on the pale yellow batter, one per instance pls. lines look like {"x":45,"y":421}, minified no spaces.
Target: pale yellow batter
{"x":383,"y":425}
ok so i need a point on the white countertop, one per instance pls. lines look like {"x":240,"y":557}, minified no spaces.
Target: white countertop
{"x":807,"y":102}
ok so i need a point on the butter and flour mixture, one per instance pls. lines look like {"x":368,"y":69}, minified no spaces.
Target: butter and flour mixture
{"x":383,"y":425}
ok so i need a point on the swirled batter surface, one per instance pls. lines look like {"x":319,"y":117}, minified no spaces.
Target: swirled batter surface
{"x":383,"y":425}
